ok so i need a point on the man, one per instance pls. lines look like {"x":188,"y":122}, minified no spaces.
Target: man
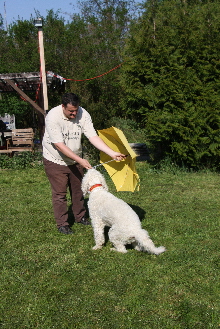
{"x":63,"y":162}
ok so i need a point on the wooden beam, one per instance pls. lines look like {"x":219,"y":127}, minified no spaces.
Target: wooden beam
{"x":42,"y":69}
{"x":28,"y":99}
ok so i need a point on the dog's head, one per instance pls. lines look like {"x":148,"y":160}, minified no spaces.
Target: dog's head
{"x":91,"y":178}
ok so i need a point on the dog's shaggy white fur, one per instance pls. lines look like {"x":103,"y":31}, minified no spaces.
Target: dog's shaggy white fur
{"x":107,"y":210}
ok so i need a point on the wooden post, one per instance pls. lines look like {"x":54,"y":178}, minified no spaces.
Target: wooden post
{"x":42,"y":69}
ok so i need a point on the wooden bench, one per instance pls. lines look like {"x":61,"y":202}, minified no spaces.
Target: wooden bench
{"x":5,"y":151}
{"x":22,"y":140}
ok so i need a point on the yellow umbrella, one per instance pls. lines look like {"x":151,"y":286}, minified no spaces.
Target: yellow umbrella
{"x":123,"y":173}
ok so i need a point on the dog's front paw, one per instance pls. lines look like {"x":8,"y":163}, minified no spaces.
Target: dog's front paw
{"x":96,"y":247}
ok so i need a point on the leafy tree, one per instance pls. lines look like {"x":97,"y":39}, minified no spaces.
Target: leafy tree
{"x":22,"y":45}
{"x":19,"y":53}
{"x":3,"y":45}
{"x":104,"y":25}
{"x":84,"y":47}
{"x":171,"y":79}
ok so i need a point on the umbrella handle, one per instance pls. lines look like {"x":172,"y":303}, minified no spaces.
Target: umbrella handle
{"x":102,"y":163}
{"x":107,"y":162}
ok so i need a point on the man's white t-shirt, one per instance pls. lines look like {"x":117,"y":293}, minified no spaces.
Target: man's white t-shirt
{"x":58,"y":128}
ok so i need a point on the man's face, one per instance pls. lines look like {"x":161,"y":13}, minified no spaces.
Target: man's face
{"x":70,"y":111}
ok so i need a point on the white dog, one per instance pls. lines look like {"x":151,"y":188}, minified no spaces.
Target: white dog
{"x":107,"y":210}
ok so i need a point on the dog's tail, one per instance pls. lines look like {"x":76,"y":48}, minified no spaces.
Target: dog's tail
{"x":147,"y":244}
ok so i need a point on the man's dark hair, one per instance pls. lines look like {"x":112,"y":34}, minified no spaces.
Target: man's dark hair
{"x":70,"y":98}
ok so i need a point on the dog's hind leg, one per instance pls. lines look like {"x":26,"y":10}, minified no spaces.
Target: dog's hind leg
{"x":136,"y":246}
{"x":115,"y":240}
{"x":119,"y":247}
{"x":99,"y":236}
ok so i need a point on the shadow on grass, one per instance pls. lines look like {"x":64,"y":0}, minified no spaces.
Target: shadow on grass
{"x":139,"y":211}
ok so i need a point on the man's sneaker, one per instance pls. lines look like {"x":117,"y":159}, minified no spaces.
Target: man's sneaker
{"x":65,"y":229}
{"x":84,"y":221}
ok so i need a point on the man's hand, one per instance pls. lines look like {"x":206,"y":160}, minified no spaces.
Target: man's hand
{"x":84,"y":163}
{"x":118,"y":156}
{"x":100,"y":145}
{"x":70,"y":154}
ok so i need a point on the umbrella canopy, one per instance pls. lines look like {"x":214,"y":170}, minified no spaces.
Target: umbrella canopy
{"x":123,"y":173}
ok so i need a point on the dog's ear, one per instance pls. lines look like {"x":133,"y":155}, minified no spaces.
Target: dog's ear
{"x":84,"y":186}
{"x":103,"y":182}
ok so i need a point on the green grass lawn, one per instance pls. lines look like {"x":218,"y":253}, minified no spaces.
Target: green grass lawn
{"x":50,"y":280}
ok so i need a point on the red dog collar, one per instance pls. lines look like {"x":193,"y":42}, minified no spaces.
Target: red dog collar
{"x":94,"y":186}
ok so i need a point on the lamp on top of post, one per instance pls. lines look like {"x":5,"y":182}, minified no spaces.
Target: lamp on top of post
{"x":39,"y":24}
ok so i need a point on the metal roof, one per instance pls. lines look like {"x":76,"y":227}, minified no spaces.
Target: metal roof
{"x":28,"y":81}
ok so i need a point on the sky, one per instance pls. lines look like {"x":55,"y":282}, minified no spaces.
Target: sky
{"x":11,"y":10}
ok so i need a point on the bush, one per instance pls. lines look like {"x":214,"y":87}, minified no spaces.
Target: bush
{"x":170,"y":80}
{"x":131,"y":129}
{"x":21,"y":160}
